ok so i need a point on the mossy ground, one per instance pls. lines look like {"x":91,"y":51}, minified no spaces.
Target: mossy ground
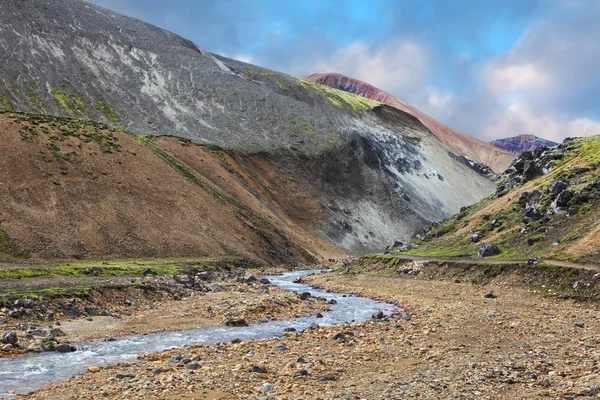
{"x":119,"y":268}
{"x":545,"y":279}
{"x":109,"y":269}
{"x":500,"y":220}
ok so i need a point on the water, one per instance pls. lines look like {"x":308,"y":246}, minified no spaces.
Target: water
{"x":27,"y":373}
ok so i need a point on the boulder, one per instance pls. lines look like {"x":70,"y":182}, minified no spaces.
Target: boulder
{"x":236,"y":322}
{"x":304,"y":295}
{"x":10,"y":338}
{"x":377,"y":315}
{"x":488,"y":249}
{"x":557,"y":187}
{"x":475,"y":237}
{"x":65,"y":348}
{"x":563,"y":198}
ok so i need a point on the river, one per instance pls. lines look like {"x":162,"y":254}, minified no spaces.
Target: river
{"x":23,"y":374}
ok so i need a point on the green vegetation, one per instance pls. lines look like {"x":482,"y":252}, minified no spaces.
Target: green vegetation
{"x":33,"y":98}
{"x":107,"y":111}
{"x":149,"y":142}
{"x":5,"y":104}
{"x":122,"y":268}
{"x":9,"y":296}
{"x":223,"y":160}
{"x":34,"y":125}
{"x":339,"y":98}
{"x":281,"y":86}
{"x":64,"y":102}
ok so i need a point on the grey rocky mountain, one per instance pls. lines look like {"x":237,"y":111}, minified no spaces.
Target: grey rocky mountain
{"x":377,"y":172}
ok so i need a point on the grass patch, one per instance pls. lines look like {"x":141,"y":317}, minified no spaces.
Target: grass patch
{"x":106,"y":110}
{"x":339,"y":98}
{"x":131,"y":268}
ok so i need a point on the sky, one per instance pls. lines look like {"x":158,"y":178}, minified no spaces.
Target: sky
{"x":492,"y":69}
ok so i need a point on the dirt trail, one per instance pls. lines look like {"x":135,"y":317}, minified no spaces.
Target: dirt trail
{"x":494,"y":261}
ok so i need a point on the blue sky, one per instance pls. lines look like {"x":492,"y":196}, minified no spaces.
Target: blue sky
{"x":489,"y":68}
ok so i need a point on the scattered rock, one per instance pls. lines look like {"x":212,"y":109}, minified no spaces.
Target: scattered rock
{"x":65,"y":348}
{"x":10,"y":338}
{"x":259,"y":370}
{"x":490,"y":295}
{"x":377,"y":315}
{"x":304,"y":295}
{"x":124,"y":375}
{"x":236,"y":322}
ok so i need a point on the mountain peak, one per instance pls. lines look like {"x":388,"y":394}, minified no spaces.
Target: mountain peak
{"x":522,"y":143}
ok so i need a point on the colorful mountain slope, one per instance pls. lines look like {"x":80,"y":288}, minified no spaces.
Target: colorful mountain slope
{"x":547,"y":205}
{"x":468,"y":146}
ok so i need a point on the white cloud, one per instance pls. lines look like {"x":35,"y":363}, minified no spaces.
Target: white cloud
{"x":510,"y":77}
{"x":439,"y":100}
{"x":396,"y":66}
{"x":519,"y":118}
{"x":243,"y":58}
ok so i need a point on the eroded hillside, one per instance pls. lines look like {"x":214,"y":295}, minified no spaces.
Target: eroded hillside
{"x":77,"y":189}
{"x":477,"y":150}
{"x":360,"y":173}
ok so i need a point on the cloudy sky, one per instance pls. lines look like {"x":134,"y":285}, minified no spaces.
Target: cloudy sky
{"x":489,"y":68}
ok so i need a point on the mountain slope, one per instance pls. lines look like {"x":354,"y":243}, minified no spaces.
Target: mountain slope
{"x":462,"y":143}
{"x":547,"y":205}
{"x":522,"y":143}
{"x":343,"y":168}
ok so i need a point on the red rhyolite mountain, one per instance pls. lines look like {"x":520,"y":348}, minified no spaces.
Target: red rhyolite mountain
{"x":466,"y":145}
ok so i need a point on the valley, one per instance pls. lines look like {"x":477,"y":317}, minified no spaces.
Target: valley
{"x":179,"y":223}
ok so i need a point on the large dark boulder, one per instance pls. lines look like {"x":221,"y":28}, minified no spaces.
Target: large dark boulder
{"x":10,"y":338}
{"x":488,"y":249}
{"x":556,"y":188}
{"x":562,"y":200}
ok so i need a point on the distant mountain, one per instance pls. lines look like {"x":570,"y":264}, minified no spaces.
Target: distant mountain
{"x":259,"y":163}
{"x":466,"y":145}
{"x":521,"y":143}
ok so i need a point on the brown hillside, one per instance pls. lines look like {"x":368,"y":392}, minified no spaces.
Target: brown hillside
{"x":75,"y":189}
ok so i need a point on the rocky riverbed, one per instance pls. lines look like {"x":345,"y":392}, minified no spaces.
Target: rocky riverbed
{"x":454,"y":343}
{"x":155,"y":304}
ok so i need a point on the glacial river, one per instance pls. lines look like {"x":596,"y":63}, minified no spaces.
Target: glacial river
{"x":27,"y":373}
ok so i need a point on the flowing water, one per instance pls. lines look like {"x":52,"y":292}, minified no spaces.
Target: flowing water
{"x":26,"y":373}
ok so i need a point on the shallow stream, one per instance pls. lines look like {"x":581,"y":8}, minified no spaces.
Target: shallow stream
{"x":30,"y":372}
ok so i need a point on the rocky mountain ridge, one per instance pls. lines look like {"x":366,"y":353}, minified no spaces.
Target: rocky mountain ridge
{"x":473,"y":149}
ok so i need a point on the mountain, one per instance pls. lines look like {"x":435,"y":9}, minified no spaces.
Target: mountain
{"x":522,"y":143}
{"x":547,"y":205}
{"x":163,"y":149}
{"x":465,"y":145}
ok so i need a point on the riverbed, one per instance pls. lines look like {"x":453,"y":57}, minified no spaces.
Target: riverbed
{"x":24,"y":374}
